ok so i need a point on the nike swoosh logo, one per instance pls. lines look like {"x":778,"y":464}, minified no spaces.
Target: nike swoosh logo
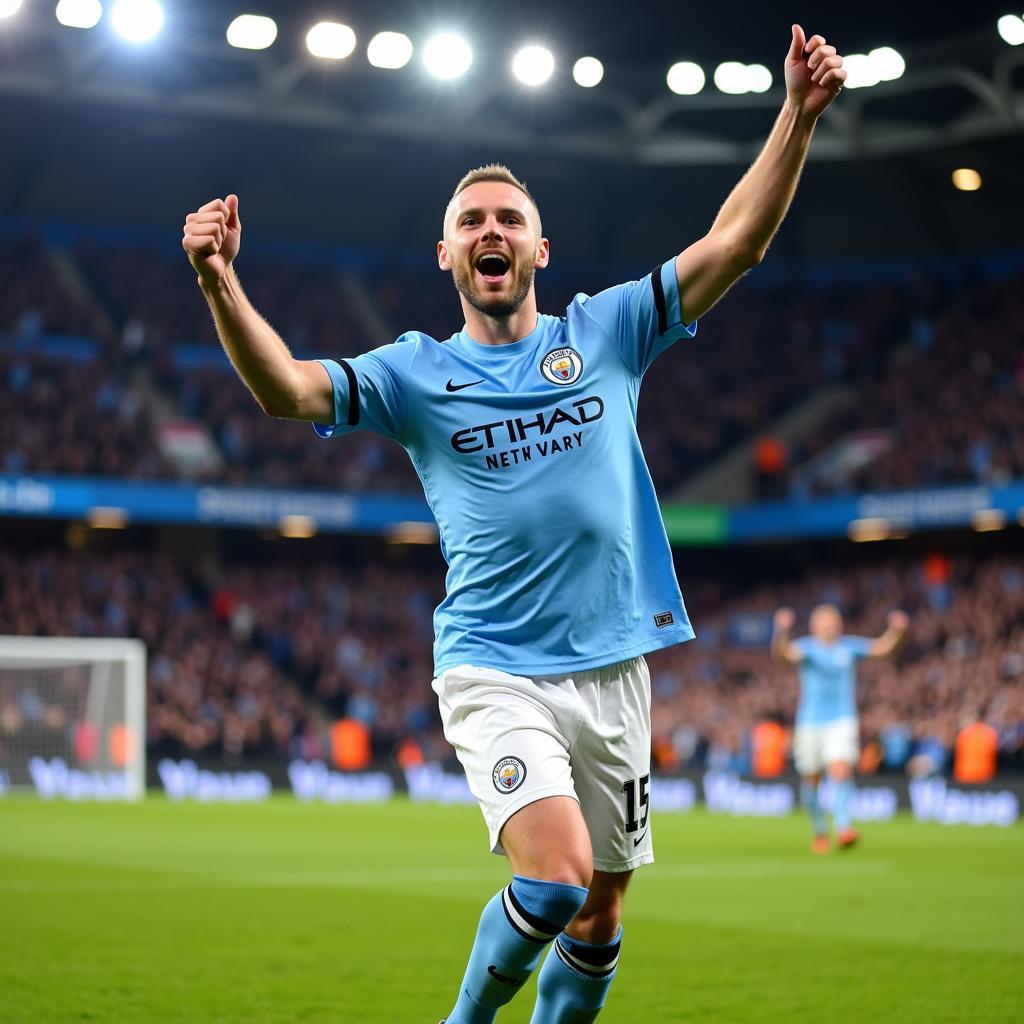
{"x":500,"y":977}
{"x":637,"y":842}
{"x":451,"y":386}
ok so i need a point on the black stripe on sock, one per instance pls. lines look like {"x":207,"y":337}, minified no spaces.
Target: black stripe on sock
{"x":576,"y":967}
{"x":659,"y":300}
{"x":532,"y":919}
{"x":519,"y":931}
{"x":598,"y":957}
{"x":353,"y":393}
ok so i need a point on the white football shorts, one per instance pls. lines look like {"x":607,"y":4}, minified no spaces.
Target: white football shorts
{"x":817,"y":746}
{"x":585,"y":735}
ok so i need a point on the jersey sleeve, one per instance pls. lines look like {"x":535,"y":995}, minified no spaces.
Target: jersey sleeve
{"x":858,"y":646}
{"x":642,"y":318}
{"x":800,"y":646}
{"x":369,"y":393}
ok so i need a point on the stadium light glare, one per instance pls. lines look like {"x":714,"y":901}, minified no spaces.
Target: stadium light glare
{"x":732,"y":78}
{"x":447,"y":56}
{"x":79,"y":13}
{"x":986,"y":519}
{"x":390,"y":50}
{"x":685,"y":78}
{"x":107,"y":517}
{"x":330,"y":40}
{"x":759,"y":78}
{"x":861,"y":71}
{"x":297,"y":527}
{"x":889,"y":63}
{"x":8,"y":8}
{"x":966,"y":179}
{"x":252,"y":32}
{"x":533,"y":65}
{"x":587,"y":72}
{"x":137,"y":21}
{"x":1011,"y":29}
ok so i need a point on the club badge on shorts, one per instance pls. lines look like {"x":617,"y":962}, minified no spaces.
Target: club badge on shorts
{"x":508,"y":774}
{"x":562,"y":366}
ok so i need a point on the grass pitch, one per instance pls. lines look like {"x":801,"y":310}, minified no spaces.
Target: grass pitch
{"x":290,"y":912}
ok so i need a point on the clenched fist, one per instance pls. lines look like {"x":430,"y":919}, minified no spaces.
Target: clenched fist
{"x":212,"y":238}
{"x":784,"y":620}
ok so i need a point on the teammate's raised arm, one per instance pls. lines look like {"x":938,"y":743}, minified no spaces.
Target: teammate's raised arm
{"x":751,"y":215}
{"x":783,"y":648}
{"x":890,"y":640}
{"x":284,"y":386}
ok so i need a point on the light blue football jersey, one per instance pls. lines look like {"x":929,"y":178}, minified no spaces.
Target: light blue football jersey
{"x":828,"y":678}
{"x":530,"y":461}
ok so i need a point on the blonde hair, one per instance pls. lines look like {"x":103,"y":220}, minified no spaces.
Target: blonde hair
{"x":492,"y":172}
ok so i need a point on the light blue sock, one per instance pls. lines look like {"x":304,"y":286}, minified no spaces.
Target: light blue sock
{"x":514,"y":929}
{"x":842,"y":810}
{"x":811,"y":800}
{"x":574,"y":981}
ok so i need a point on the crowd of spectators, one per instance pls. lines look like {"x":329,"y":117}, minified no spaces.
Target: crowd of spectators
{"x":763,"y":349}
{"x":963,"y":659}
{"x":260,"y":659}
{"x":951,"y":408}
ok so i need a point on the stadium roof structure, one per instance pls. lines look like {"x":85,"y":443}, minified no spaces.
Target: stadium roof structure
{"x":966,"y":86}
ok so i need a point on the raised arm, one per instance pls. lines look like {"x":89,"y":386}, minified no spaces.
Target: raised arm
{"x":783,"y":648}
{"x":748,"y":220}
{"x":890,"y":640}
{"x":297,"y":389}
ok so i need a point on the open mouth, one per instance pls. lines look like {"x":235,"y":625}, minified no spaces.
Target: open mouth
{"x":492,"y":266}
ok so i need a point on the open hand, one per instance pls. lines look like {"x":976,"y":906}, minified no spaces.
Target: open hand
{"x":814,"y":73}
{"x":899,"y":621}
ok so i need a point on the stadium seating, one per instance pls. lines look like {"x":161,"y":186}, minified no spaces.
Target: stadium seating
{"x":261,"y":659}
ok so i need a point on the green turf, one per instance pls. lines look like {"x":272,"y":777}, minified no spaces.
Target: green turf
{"x":306,"y":913}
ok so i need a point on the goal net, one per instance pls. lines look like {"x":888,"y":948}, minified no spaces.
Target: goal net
{"x":72,"y":717}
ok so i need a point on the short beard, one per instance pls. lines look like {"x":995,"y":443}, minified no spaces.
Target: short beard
{"x":495,"y":307}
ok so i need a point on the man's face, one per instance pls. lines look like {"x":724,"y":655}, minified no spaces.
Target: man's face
{"x":826,"y":623}
{"x":492,"y":246}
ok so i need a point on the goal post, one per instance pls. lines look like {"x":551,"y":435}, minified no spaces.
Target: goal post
{"x":73,"y":717}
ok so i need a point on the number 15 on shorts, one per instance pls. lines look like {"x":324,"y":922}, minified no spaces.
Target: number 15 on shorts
{"x":631,"y":788}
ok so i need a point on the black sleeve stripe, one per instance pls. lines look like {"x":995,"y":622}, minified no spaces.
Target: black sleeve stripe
{"x":659,"y":300}
{"x":353,"y":393}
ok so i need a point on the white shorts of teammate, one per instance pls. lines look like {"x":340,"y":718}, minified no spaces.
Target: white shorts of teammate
{"x":585,"y":735}
{"x":815,"y":747}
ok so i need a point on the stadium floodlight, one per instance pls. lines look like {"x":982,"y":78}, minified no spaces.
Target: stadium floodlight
{"x":732,"y":78}
{"x":330,"y":40}
{"x":759,"y":78}
{"x":391,"y":50}
{"x":8,"y":8}
{"x":252,"y":32}
{"x":1011,"y":29}
{"x":533,"y":65}
{"x":137,"y":21}
{"x":889,"y":63}
{"x":685,"y":78}
{"x":447,"y":56}
{"x":966,"y":179}
{"x":588,"y":72}
{"x":861,"y":71}
{"x":79,"y":13}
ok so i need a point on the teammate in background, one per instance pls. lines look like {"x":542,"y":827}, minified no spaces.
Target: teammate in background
{"x":522,"y":428}
{"x":827,"y":738}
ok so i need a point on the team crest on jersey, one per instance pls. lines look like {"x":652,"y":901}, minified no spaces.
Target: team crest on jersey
{"x":508,"y":774}
{"x":562,"y":366}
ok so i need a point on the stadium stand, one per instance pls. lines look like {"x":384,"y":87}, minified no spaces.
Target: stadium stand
{"x":261,"y":659}
{"x":781,"y":341}
{"x":944,"y":418}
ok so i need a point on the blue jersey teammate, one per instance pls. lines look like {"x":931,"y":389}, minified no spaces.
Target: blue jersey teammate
{"x":827,"y":739}
{"x":522,"y":429}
